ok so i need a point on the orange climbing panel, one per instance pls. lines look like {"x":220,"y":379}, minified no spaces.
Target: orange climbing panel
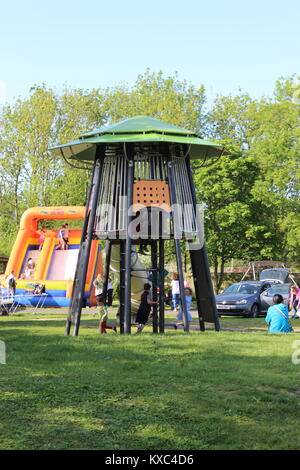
{"x":151,"y":193}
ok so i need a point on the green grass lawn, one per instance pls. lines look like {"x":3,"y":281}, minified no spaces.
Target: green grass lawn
{"x":234,"y":389}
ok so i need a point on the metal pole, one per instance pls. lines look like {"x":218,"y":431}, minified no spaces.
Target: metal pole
{"x":206,"y":303}
{"x":84,"y":254}
{"x":106,"y":270}
{"x":122,"y":284}
{"x":177,"y":248}
{"x":154,"y":283}
{"x":127,"y":300}
{"x":70,"y":318}
{"x":161,"y":286}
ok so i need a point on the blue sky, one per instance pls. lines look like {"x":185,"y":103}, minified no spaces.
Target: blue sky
{"x":224,"y":45}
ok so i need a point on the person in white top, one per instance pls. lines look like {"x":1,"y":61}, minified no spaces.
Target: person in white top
{"x":175,"y":292}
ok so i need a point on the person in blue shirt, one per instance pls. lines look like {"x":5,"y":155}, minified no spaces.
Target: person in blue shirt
{"x":278,"y":316}
{"x":188,"y":301}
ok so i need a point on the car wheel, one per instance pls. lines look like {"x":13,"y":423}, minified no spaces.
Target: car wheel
{"x":254,"y":311}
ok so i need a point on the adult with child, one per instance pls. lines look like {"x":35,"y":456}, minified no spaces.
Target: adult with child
{"x":278,"y":316}
{"x":144,"y":309}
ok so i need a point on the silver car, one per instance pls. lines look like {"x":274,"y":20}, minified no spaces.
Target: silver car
{"x":266,"y":297}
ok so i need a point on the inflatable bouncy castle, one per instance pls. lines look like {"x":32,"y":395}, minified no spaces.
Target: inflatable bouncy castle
{"x":53,"y":268}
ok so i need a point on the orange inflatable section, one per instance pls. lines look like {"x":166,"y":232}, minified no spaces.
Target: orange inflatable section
{"x":28,"y":239}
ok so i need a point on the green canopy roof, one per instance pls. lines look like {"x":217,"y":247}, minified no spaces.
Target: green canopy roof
{"x":140,"y":124}
{"x":140,"y":129}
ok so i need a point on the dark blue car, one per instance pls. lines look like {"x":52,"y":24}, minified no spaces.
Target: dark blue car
{"x":242,"y":298}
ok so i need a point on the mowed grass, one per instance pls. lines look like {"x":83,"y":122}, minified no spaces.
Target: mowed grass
{"x":212,"y":390}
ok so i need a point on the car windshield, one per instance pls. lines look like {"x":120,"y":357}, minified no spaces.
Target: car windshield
{"x":280,"y":289}
{"x":241,"y":288}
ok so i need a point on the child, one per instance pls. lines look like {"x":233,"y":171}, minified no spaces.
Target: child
{"x":42,"y":237}
{"x":60,"y":236}
{"x":98,"y":283}
{"x":175,"y":292}
{"x":144,"y":308}
{"x":66,"y":236}
{"x":188,"y":301}
{"x":104,"y":316}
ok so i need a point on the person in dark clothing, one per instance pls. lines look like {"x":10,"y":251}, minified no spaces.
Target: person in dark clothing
{"x":110,"y":292}
{"x":144,"y":308}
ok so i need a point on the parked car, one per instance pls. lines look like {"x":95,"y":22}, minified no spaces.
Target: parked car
{"x":266,"y":297}
{"x":279,"y":275}
{"x":242,"y":298}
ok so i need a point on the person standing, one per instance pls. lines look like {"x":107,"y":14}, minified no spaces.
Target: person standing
{"x":175,"y":292}
{"x":11,"y":283}
{"x":294,"y":301}
{"x":98,"y":284}
{"x":188,"y":301}
{"x":278,"y":316}
{"x":110,"y":292}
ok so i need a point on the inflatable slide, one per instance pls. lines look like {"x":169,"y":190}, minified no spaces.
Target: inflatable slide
{"x":53,"y":268}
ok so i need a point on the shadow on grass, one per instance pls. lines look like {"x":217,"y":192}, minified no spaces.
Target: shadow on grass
{"x":151,"y":392}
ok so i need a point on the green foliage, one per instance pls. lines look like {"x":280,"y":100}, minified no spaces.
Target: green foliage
{"x":233,"y":227}
{"x":251,"y":196}
{"x":167,"y":99}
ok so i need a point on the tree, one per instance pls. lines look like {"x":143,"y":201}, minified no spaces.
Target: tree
{"x":31,"y":174}
{"x":168,"y":99}
{"x":276,"y":149}
{"x":232,"y":225}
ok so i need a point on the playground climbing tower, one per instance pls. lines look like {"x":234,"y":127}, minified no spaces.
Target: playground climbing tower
{"x":141,"y":194}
